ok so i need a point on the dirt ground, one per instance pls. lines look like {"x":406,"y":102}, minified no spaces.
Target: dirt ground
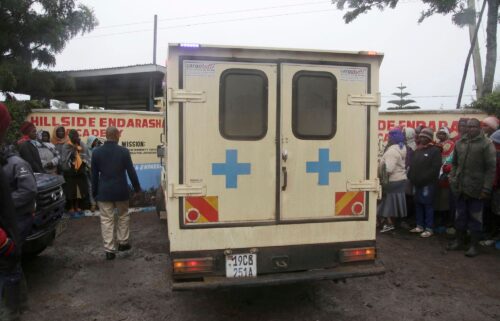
{"x":72,"y":281}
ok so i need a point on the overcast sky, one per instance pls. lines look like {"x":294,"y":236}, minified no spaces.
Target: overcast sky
{"x":428,"y":58}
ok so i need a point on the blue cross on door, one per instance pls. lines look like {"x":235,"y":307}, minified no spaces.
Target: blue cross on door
{"x":323,"y":167}
{"x":231,"y":168}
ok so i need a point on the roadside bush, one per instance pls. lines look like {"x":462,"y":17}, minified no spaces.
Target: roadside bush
{"x":490,"y":104}
{"x":19,"y":111}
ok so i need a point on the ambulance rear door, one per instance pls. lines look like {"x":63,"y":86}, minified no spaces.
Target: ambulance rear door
{"x":228,"y":142}
{"x":324,"y":142}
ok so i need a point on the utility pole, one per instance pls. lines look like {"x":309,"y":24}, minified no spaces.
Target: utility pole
{"x":476,"y":57}
{"x":467,"y":61}
{"x":156,"y":34}
{"x":152,"y":82}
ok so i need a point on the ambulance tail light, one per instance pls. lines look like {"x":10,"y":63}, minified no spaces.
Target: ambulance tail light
{"x":193,"y":266}
{"x":357,"y":254}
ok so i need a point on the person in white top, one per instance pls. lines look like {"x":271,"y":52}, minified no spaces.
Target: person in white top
{"x":393,"y":176}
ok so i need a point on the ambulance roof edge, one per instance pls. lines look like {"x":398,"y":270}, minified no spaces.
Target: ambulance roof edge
{"x":192,"y":46}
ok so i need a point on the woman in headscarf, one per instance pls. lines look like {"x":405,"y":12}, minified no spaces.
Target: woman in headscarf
{"x":74,"y":167}
{"x":59,"y":138}
{"x":48,"y":153}
{"x":393,"y":175}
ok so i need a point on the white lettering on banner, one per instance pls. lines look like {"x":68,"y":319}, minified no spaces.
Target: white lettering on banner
{"x":141,"y":167}
{"x":199,"y":69}
{"x":354,"y":74}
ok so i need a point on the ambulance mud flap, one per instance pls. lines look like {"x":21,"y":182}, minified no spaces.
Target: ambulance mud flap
{"x":337,"y":273}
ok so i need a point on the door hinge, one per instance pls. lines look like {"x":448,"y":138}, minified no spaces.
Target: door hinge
{"x":185,"y":96}
{"x":176,"y":191}
{"x":365,"y":186}
{"x":364,"y":100}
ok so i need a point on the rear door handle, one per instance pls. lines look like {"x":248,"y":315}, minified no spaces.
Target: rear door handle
{"x":285,"y":178}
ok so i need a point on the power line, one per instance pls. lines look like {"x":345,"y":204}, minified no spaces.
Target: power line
{"x":207,"y":23}
{"x":247,"y":10}
{"x":219,"y":13}
{"x":430,"y":96}
{"x":220,"y":21}
{"x":245,"y":19}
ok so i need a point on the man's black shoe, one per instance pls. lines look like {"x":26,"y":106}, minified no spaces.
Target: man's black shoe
{"x":124,"y":247}
{"x":110,"y":256}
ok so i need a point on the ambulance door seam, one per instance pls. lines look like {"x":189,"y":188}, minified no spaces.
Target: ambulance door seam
{"x":277,"y":214}
{"x":181,"y":141}
{"x":368,"y":140}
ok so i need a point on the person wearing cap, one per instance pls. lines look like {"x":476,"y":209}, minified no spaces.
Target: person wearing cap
{"x":462,"y":129}
{"x":418,"y":129}
{"x":443,"y":203}
{"x":28,"y":147}
{"x":424,"y":174}
{"x":489,"y":125}
{"x":392,"y":163}
{"x":12,"y":285}
{"x":471,"y":180}
{"x":495,"y":196}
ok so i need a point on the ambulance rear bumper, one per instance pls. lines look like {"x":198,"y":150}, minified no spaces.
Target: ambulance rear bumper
{"x":337,"y":273}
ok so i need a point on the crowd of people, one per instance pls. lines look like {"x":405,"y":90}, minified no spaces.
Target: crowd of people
{"x":95,"y":177}
{"x":63,"y":154}
{"x":434,"y":183}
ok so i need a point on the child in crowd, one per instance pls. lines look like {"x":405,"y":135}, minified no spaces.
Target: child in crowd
{"x":423,"y":173}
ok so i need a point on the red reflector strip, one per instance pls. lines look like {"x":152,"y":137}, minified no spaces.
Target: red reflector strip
{"x":357,"y":254}
{"x":195,"y":265}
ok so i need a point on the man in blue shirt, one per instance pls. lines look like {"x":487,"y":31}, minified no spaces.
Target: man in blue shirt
{"x":111,"y":163}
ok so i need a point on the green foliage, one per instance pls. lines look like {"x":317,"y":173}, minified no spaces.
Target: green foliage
{"x":32,"y":32}
{"x":461,"y":16}
{"x":19,"y":111}
{"x":401,"y":102}
{"x":490,"y":104}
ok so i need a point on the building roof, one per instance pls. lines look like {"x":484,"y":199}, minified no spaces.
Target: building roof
{"x":124,"y":88}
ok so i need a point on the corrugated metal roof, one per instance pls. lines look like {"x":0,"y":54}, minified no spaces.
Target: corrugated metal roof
{"x":115,"y":70}
{"x":126,"y":87}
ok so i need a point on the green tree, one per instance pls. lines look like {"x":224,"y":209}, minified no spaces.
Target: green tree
{"x":490,"y":104}
{"x":402,"y":102}
{"x":461,"y":16}
{"x":32,"y":32}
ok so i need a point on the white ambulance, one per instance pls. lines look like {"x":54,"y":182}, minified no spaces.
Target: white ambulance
{"x":270,"y":167}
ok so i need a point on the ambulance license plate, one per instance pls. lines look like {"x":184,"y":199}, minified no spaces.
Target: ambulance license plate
{"x":241,"y":265}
